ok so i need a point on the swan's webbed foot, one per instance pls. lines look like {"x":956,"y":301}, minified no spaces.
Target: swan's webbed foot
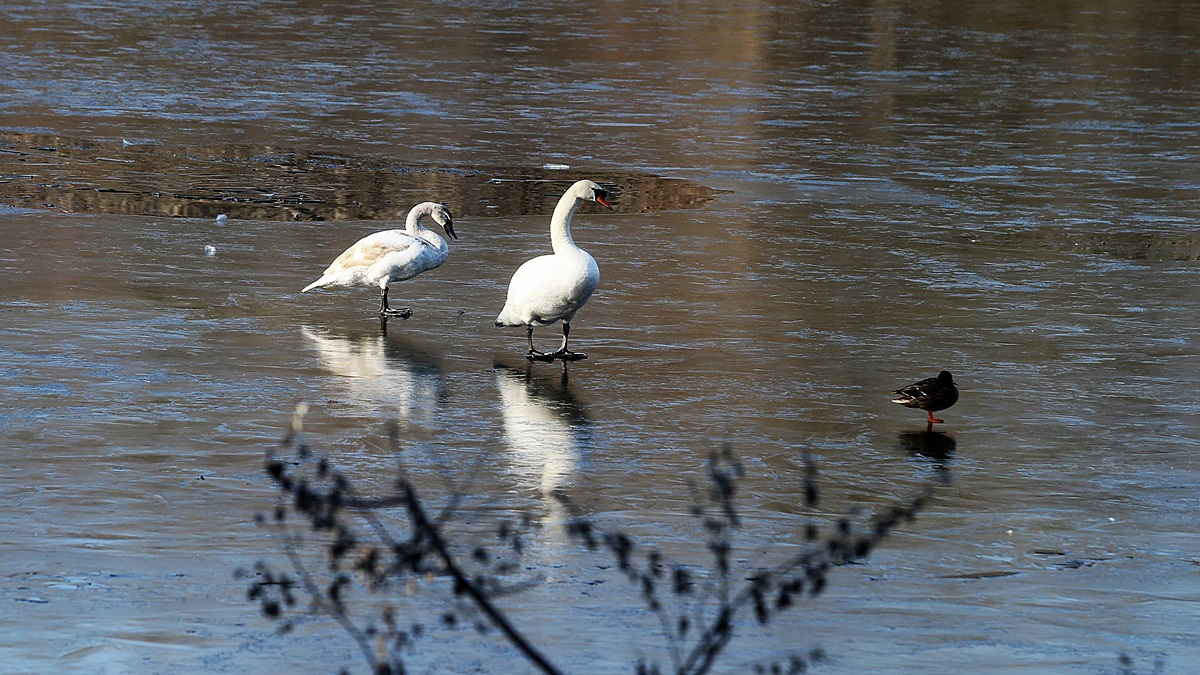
{"x":549,"y":357}
{"x":569,"y":356}
{"x":385,"y":310}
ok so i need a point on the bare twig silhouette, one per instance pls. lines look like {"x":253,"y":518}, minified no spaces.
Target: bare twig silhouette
{"x":378,"y":541}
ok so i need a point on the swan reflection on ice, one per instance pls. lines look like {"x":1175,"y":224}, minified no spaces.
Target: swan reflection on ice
{"x":382,"y":373}
{"x":545,"y":428}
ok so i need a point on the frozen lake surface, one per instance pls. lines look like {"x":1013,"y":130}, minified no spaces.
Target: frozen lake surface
{"x":815,"y":205}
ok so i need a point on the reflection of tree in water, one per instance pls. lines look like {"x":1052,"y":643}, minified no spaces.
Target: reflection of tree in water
{"x":1129,"y":245}
{"x":249,"y":183}
{"x":545,"y":429}
{"x":382,"y":373}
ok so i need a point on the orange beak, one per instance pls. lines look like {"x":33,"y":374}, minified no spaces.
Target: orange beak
{"x":601,"y":201}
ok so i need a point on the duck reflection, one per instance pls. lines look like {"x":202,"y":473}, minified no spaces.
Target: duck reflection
{"x":383,"y":373}
{"x":931,"y":444}
{"x":545,"y":428}
{"x":935,"y":445}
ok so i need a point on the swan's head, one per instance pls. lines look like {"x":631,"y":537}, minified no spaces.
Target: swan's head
{"x":589,"y":191}
{"x":439,"y":213}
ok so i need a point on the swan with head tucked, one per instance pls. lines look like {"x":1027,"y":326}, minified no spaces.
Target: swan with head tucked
{"x":551,"y":288}
{"x":386,"y":257}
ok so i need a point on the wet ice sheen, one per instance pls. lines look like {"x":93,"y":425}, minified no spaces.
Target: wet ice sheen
{"x":996,"y":190}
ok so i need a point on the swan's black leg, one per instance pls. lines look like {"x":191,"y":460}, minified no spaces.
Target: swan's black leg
{"x":384,"y":310}
{"x":563,"y":352}
{"x":533,"y":353}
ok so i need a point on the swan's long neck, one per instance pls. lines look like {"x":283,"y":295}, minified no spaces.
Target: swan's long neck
{"x":414,"y":227}
{"x":560,"y":224}
{"x":413,"y":224}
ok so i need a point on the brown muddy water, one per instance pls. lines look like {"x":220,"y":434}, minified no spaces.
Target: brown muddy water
{"x":818,"y":203}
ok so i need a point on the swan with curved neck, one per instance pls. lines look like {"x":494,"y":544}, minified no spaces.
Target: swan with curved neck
{"x":383,"y":258}
{"x":553,"y":287}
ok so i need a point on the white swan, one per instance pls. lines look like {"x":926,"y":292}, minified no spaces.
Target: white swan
{"x":392,"y":255}
{"x":553,"y":287}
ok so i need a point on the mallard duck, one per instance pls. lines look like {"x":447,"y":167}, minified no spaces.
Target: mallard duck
{"x":935,"y":393}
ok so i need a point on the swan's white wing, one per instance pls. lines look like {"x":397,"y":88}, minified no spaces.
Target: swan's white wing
{"x":373,"y":248}
{"x":381,"y":258}
{"x":548,"y":288}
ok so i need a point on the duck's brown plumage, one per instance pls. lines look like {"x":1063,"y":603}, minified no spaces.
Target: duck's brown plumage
{"x":935,"y":393}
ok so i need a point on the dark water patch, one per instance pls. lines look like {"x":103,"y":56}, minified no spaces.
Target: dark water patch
{"x":1142,"y":246}
{"x":981,"y":575}
{"x":265,"y":183}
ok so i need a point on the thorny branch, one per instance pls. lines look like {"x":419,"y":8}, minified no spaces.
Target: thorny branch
{"x":698,"y":625}
{"x":699,"y":633}
{"x":327,"y":502}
